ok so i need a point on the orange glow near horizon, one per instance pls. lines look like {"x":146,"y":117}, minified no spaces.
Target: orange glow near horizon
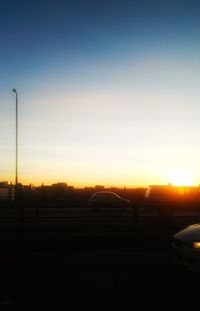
{"x":110,"y":172}
{"x":174,"y":177}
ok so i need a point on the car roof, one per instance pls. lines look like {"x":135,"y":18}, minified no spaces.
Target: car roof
{"x":104,"y":192}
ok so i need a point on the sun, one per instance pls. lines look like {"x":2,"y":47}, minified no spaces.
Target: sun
{"x":180,"y":177}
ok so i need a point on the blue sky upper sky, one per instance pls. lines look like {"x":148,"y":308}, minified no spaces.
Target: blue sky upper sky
{"x":108,"y":91}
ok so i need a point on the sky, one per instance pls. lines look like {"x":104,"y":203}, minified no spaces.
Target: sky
{"x":108,"y":91}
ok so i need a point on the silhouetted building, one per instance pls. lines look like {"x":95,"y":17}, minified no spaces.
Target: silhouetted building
{"x":7,"y":191}
{"x":60,"y":185}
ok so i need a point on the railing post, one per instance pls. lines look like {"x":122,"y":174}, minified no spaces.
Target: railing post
{"x":37,"y":215}
{"x":135,"y":217}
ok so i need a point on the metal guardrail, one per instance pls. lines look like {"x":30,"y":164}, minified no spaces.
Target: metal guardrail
{"x":21,"y":216}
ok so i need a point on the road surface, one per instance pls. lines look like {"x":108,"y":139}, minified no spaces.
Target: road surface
{"x":86,"y":259}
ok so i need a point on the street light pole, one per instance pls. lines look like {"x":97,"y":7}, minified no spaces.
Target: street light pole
{"x":16,"y":146}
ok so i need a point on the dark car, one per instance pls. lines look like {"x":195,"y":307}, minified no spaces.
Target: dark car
{"x":107,"y":199}
{"x":186,"y":247}
{"x":167,"y":199}
{"x":161,"y":198}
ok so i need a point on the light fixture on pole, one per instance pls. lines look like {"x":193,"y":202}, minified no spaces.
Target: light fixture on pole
{"x":16,"y":141}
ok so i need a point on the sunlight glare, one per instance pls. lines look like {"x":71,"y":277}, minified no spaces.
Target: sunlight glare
{"x":180,"y":177}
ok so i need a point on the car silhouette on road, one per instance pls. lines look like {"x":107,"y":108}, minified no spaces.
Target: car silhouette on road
{"x":108,"y":199}
{"x":165,"y":199}
{"x":161,"y":198}
{"x":186,"y":247}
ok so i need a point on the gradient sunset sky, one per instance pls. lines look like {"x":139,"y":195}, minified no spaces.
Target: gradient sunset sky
{"x":109,"y":91}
